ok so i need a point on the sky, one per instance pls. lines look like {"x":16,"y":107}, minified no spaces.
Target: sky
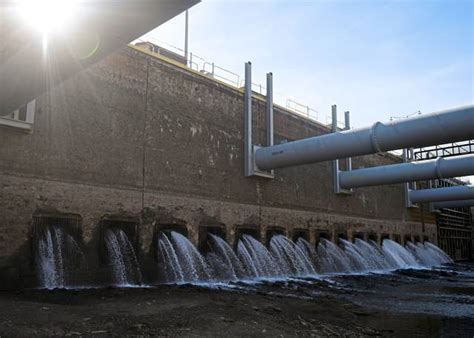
{"x":377,"y":59}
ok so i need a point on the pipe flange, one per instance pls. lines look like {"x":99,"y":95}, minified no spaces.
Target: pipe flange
{"x":373,"y":137}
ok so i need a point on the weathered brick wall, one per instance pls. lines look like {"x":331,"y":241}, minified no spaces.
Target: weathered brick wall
{"x":140,"y":137}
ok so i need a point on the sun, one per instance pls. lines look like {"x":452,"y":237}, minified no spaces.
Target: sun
{"x":46,"y":16}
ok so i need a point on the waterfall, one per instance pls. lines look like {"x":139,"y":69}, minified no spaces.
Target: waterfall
{"x":402,"y":257}
{"x":428,"y":254}
{"x":256,"y":259}
{"x":331,"y":258}
{"x":224,"y":261}
{"x":179,"y":261}
{"x":291,"y":259}
{"x":122,"y":258}
{"x":374,"y":255}
{"x":57,"y":255}
{"x":443,"y":258}
{"x":359,"y":262}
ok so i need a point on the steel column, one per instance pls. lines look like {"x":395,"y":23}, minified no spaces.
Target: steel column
{"x":248,"y":151}
{"x":456,"y":193}
{"x":408,"y":172}
{"x":347,"y":123}
{"x":453,"y":204}
{"x":269,"y":109}
{"x":425,"y":130}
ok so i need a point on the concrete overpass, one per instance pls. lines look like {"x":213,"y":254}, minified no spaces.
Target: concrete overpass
{"x":31,"y":61}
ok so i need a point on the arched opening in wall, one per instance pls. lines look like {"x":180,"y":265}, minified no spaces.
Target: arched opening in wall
{"x":57,"y":249}
{"x":300,"y":233}
{"x":165,"y":230}
{"x":250,"y":230}
{"x":416,"y":238}
{"x":341,"y":235}
{"x":383,"y":237}
{"x":407,"y":239}
{"x":119,"y":249}
{"x":359,"y":235}
{"x":204,"y":236}
{"x":117,"y":228}
{"x":372,"y":237}
{"x":397,"y":238}
{"x":322,"y":234}
{"x":273,"y":231}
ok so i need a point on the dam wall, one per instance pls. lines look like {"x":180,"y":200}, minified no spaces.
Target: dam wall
{"x":142,"y":143}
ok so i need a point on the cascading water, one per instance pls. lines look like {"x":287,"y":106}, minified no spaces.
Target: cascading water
{"x":331,"y":258}
{"x":57,"y":255}
{"x":358,"y":261}
{"x":179,"y":261}
{"x":122,"y":258}
{"x":427,"y":254}
{"x":403,"y":258}
{"x":224,"y":261}
{"x":292,"y":260}
{"x":256,"y":258}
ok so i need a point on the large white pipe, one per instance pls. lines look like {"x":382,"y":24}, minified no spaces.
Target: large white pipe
{"x":453,"y":204}
{"x":437,"y":128}
{"x":456,"y":193}
{"x":408,"y":172}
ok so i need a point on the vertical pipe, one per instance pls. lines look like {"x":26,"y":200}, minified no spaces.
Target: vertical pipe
{"x":248,"y":170}
{"x":347,"y":126}
{"x":186,"y":36}
{"x":269,"y":109}
{"x":335,"y":163}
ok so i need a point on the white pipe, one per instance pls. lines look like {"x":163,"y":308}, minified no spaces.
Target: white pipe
{"x":425,"y":130}
{"x":456,"y":193}
{"x":408,"y":172}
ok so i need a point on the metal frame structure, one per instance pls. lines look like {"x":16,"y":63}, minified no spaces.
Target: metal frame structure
{"x":249,"y":148}
{"x":338,"y":189}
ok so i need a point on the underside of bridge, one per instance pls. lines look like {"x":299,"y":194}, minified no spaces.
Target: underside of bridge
{"x":34,"y":60}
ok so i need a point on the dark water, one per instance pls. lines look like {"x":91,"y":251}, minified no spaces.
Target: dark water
{"x":446,"y":291}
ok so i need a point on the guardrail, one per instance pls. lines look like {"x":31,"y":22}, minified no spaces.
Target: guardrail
{"x":211,"y":69}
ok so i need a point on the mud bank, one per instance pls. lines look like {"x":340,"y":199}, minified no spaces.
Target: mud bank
{"x":410,"y":303}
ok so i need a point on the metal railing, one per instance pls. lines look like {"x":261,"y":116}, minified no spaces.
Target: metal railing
{"x":445,"y":150}
{"x":211,"y":69}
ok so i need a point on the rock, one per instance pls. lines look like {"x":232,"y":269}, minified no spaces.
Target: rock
{"x":45,"y":308}
{"x":98,"y":332}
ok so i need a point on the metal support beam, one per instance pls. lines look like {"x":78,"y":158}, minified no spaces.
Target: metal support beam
{"x":335,"y":163}
{"x":249,"y":148}
{"x":425,"y":130}
{"x":456,"y":193}
{"x":408,"y":172}
{"x":269,"y":109}
{"x":347,"y":123}
{"x":408,"y":185}
{"x":248,"y":151}
{"x":453,"y":204}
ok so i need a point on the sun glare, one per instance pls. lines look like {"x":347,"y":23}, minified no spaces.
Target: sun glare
{"x":46,"y":16}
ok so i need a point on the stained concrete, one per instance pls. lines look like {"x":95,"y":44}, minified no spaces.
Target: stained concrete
{"x":141,"y":137}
